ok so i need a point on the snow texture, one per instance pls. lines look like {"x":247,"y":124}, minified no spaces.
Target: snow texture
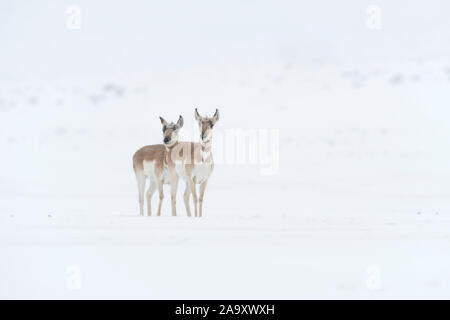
{"x":358,"y":208}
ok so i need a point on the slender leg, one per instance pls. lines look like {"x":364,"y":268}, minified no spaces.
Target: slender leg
{"x":187,"y":194}
{"x":173,"y":193}
{"x":194,"y":193}
{"x":140,"y":178}
{"x":161,"y":195}
{"x":151,"y":190}
{"x":202,"y":192}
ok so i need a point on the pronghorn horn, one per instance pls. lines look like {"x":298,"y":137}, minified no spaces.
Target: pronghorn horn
{"x":216,"y":116}
{"x":180,"y":122}
{"x":197,"y":115}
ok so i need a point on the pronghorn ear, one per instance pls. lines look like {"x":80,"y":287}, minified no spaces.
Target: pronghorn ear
{"x":197,"y":115}
{"x":163,"y":122}
{"x":180,"y":122}
{"x":216,"y":116}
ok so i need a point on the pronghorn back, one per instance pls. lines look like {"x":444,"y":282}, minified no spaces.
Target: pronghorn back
{"x":153,"y":153}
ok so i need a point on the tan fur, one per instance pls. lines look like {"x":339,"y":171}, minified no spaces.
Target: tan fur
{"x":186,"y":159}
{"x":150,"y":162}
{"x":193,"y":162}
{"x":154,"y":154}
{"x":166,"y":163}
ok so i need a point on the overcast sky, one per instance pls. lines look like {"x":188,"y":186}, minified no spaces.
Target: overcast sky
{"x":141,"y":36}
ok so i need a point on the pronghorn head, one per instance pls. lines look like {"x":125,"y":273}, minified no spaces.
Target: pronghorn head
{"x":170,"y":131}
{"x":206,"y":125}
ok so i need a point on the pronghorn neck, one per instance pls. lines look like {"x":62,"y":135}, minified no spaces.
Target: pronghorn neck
{"x":206,"y":146}
{"x":169,"y":148}
{"x":168,"y":152}
{"x":206,"y":150}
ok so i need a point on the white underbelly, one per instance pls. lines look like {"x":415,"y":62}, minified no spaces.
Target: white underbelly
{"x":180,"y":170}
{"x":149,"y":171}
{"x":200,"y":173}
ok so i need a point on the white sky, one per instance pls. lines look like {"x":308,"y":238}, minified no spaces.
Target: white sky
{"x":140,"y":36}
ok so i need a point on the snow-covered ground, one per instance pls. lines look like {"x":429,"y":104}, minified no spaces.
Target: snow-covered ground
{"x":358,"y":208}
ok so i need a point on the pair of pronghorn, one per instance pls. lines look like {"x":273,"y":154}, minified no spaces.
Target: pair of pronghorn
{"x":167,"y":163}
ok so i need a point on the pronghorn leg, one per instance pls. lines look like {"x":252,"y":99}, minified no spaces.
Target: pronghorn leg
{"x":187,"y":194}
{"x":151,"y":190}
{"x":161,"y":194}
{"x":173,"y":193}
{"x":202,"y":192}
{"x":140,"y":178}
{"x":194,"y":193}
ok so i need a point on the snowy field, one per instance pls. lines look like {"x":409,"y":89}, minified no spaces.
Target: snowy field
{"x":359,"y":206}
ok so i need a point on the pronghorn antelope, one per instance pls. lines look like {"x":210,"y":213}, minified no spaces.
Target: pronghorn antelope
{"x":196,"y":165}
{"x":151,"y":162}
